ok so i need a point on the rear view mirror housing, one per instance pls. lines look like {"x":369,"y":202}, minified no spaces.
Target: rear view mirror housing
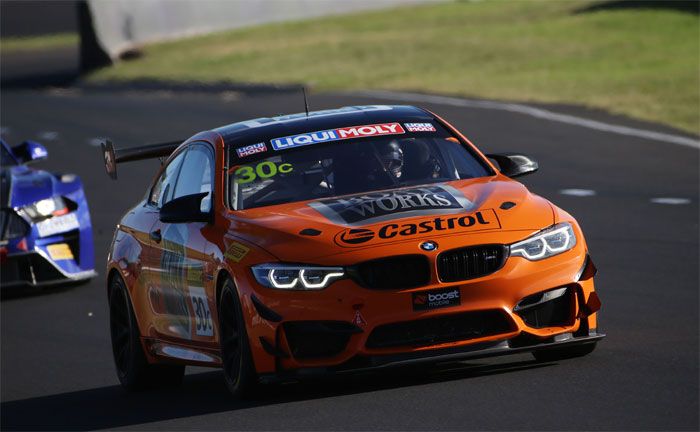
{"x":185,"y":209}
{"x":514,"y":164}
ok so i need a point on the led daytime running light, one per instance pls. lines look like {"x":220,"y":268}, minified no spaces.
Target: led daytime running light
{"x":297,"y":276}
{"x":552,"y":241}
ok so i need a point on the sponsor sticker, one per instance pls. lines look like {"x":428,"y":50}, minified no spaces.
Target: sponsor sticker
{"x":251,"y":149}
{"x":57,"y":224}
{"x":194,"y":275}
{"x":336,"y":135}
{"x":381,"y":206}
{"x":436,"y":299}
{"x":173,"y":280}
{"x":202,"y":313}
{"x":236,"y":251}
{"x":419,"y":127}
{"x":59,"y":251}
{"x":359,"y":320}
{"x":481,"y":220}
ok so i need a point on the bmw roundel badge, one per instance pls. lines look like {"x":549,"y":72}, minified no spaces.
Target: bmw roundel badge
{"x":429,"y":246}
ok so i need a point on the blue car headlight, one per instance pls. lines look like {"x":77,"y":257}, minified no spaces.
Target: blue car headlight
{"x":296,"y":277}
{"x":46,"y":208}
{"x":552,"y":241}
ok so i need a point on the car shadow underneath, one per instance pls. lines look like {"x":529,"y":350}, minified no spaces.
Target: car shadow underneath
{"x":26,"y":291}
{"x":205,"y":393}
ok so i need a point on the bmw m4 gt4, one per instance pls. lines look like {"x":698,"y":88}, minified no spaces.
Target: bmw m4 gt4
{"x":336,"y":241}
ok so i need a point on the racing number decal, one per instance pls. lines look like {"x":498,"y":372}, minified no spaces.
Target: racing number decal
{"x":245,"y":174}
{"x":264,"y":170}
{"x":202,"y":314}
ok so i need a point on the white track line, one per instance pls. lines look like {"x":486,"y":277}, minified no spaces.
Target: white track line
{"x":670,"y":201}
{"x":578,"y":192}
{"x":534,"y":112}
{"x":96,"y":142}
{"x":48,"y":135}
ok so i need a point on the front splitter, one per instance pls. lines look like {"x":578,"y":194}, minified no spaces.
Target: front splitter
{"x":476,"y":351}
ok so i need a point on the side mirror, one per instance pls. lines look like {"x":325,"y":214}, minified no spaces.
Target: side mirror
{"x":185,"y":209}
{"x":513,"y":164}
{"x":29,"y":151}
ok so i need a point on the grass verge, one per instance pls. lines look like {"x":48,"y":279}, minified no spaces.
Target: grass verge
{"x":34,"y":43}
{"x":639,"y":62}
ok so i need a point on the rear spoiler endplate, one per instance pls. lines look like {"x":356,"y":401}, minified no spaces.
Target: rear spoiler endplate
{"x":114,"y":156}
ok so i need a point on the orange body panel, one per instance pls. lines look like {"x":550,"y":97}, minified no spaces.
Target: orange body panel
{"x":166,"y":281}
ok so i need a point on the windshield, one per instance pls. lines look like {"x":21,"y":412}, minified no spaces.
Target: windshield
{"x":292,"y":169}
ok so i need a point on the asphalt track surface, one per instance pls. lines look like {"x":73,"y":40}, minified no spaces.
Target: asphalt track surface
{"x":57,"y":370}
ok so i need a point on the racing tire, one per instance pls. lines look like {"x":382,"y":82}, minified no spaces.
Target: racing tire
{"x":133,"y":370}
{"x":236,"y":357}
{"x":554,"y":354}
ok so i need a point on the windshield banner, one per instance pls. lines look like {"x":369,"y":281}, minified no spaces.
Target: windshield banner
{"x":336,"y":135}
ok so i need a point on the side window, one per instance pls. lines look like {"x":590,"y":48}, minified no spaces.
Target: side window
{"x":196,"y":175}
{"x":162,"y":191}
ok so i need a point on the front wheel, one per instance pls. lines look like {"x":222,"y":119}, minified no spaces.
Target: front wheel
{"x":133,"y":370}
{"x":554,"y":354}
{"x":237,"y":360}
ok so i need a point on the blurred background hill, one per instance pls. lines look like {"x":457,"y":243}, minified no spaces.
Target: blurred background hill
{"x":638,"y":58}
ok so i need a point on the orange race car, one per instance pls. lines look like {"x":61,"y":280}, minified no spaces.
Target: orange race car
{"x":336,"y":241}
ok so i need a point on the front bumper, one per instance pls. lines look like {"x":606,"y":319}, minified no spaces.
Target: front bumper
{"x":63,"y":255}
{"x":346,"y":327}
{"x":35,"y":270}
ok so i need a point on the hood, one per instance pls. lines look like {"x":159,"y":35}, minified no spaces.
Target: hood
{"x":309,"y":230}
{"x":22,"y":186}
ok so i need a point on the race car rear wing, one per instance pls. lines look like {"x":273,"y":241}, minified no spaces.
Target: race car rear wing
{"x":114,"y":156}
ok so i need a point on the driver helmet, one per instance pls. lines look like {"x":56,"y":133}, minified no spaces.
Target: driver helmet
{"x":391,"y":156}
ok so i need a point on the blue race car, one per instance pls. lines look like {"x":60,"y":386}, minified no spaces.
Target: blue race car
{"x":45,"y":228}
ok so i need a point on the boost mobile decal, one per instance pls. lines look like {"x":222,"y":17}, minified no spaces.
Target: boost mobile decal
{"x":441,"y":225}
{"x":383,"y":206}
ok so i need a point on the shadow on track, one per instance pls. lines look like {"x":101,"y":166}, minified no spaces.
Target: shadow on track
{"x":20,"y":292}
{"x":205,"y":393}
{"x":689,"y":6}
{"x":57,"y":67}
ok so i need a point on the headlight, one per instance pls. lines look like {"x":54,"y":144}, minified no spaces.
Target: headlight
{"x":546,"y":243}
{"x":299,"y":277}
{"x":40,"y":210}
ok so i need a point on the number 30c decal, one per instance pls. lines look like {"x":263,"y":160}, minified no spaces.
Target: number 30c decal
{"x":263,"y":170}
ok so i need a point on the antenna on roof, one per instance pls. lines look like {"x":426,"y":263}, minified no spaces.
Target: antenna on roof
{"x":306,"y":103}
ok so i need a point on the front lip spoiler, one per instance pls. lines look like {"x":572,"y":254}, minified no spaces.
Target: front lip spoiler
{"x":25,"y":284}
{"x":61,"y":277}
{"x":482,"y":350}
